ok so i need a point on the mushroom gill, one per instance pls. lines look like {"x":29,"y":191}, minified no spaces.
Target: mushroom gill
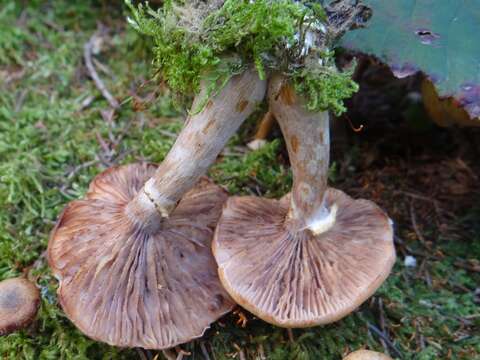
{"x":128,"y":286}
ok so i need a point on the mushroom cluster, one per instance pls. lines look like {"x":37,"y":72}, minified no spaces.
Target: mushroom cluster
{"x":154,"y":254}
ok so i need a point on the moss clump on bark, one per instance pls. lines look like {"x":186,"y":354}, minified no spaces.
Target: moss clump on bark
{"x":214,"y":40}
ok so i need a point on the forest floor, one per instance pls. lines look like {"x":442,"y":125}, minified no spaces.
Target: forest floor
{"x":57,"y":131}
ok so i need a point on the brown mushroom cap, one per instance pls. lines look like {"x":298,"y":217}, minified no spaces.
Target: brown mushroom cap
{"x":294,"y":278}
{"x":366,"y":355}
{"x":19,"y":302}
{"x":130,"y":287}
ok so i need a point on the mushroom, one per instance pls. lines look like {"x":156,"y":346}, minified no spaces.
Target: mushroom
{"x":366,"y":355}
{"x":133,"y":258}
{"x":313,"y":256}
{"x":19,"y":303}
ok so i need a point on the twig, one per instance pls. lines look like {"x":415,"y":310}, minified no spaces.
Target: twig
{"x":181,"y":353}
{"x":414,"y":224}
{"x":106,"y":154}
{"x":428,"y":278}
{"x":53,"y":25}
{"x":167,"y":133}
{"x":204,"y":351}
{"x":20,"y":100}
{"x":411,"y":251}
{"x":211,"y":351}
{"x":107,"y":115}
{"x":420,"y":197}
{"x":103,"y":68}
{"x":290,"y":335}
{"x":239,"y":352}
{"x":71,"y":174}
{"x":241,"y":355}
{"x":261,"y":352}
{"x":86,"y":102}
{"x":474,"y":268}
{"x":420,"y":339}
{"x":87,"y":55}
{"x":141,"y":354}
{"x":354,"y":129}
{"x":383,"y":336}
{"x":473,"y":316}
{"x":382,"y":321}
{"x":169,"y":354}
{"x":14,"y":75}
{"x":416,"y":196}
{"x":22,"y":19}
{"x":77,"y":168}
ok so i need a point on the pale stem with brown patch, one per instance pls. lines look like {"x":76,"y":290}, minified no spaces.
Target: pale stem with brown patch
{"x":308,"y":143}
{"x":198,"y":145}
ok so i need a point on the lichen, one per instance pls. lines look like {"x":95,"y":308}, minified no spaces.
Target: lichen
{"x":211,"y":41}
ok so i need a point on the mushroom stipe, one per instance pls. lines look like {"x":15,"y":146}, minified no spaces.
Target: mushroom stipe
{"x":129,"y":287}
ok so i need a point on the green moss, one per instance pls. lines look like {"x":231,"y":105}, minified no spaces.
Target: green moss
{"x":258,"y":172}
{"x":254,"y":30}
{"x":194,"y":42}
{"x":324,"y":87}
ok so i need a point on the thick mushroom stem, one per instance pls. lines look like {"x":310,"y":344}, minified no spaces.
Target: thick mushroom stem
{"x":308,"y":144}
{"x":196,"y":148}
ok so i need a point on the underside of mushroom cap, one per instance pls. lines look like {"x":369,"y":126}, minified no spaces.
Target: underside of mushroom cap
{"x":293,"y":278}
{"x":19,"y":302}
{"x":129,"y":287}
